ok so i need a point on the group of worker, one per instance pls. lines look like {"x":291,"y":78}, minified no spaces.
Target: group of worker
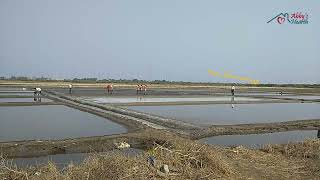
{"x":37,"y":91}
{"x":109,"y":88}
{"x":141,"y":88}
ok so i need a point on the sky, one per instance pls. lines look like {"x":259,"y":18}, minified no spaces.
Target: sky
{"x":176,"y":40}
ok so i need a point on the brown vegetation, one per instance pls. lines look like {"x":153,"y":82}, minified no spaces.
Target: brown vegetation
{"x":186,"y":159}
{"x":307,"y":149}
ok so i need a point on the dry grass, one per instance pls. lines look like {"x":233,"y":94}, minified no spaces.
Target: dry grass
{"x":307,"y":149}
{"x":186,"y":160}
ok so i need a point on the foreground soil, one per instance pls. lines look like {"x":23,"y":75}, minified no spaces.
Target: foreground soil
{"x":187,"y":159}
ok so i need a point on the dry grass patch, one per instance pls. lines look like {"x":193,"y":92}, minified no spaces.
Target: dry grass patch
{"x":307,"y":149}
{"x":186,"y":160}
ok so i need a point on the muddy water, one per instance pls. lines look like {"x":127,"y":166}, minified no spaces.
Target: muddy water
{"x":258,"y":140}
{"x":52,"y":122}
{"x":225,"y":114}
{"x":25,"y":100}
{"x":166,"y":99}
{"x":62,"y":160}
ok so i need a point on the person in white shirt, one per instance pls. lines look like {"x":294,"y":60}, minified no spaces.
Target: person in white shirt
{"x":70,"y":88}
{"x":144,"y":88}
{"x":232,"y":90}
{"x":111,"y":88}
{"x":37,"y":91}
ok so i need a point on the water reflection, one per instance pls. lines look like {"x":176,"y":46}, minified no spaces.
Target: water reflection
{"x":52,"y":122}
{"x":226,"y":114}
{"x":139,"y":99}
{"x":29,"y":99}
{"x":165,"y":99}
{"x":318,"y":135}
{"x":37,"y":99}
{"x":232,"y":101}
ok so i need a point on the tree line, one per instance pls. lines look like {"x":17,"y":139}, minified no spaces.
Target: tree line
{"x":135,"y":81}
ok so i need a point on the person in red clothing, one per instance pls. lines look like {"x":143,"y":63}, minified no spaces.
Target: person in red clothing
{"x":138,"y":88}
{"x":108,"y":88}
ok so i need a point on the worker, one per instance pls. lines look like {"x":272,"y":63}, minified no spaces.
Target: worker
{"x":107,"y":88}
{"x":138,"y":88}
{"x":144,"y":87}
{"x":70,"y":88}
{"x":37,"y":91}
{"x":232,"y":90}
{"x":111,"y":88}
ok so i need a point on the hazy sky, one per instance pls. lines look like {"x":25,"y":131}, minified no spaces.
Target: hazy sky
{"x":159,"y":39}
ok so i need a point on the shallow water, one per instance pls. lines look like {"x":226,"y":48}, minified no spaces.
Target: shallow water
{"x":224,"y":114}
{"x":258,"y":140}
{"x":258,"y":94}
{"x":52,"y":122}
{"x":166,"y":99}
{"x":15,"y":91}
{"x":300,"y":97}
{"x":16,"y":94}
{"x":277,"y":95}
{"x":4,"y":88}
{"x":25,"y":100}
{"x":62,"y":160}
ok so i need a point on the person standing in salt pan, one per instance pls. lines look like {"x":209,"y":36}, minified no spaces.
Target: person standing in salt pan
{"x":232,"y":90}
{"x":144,"y":87}
{"x":70,"y":88}
{"x":37,"y":91}
{"x":138,"y":88}
{"x":111,"y":88}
